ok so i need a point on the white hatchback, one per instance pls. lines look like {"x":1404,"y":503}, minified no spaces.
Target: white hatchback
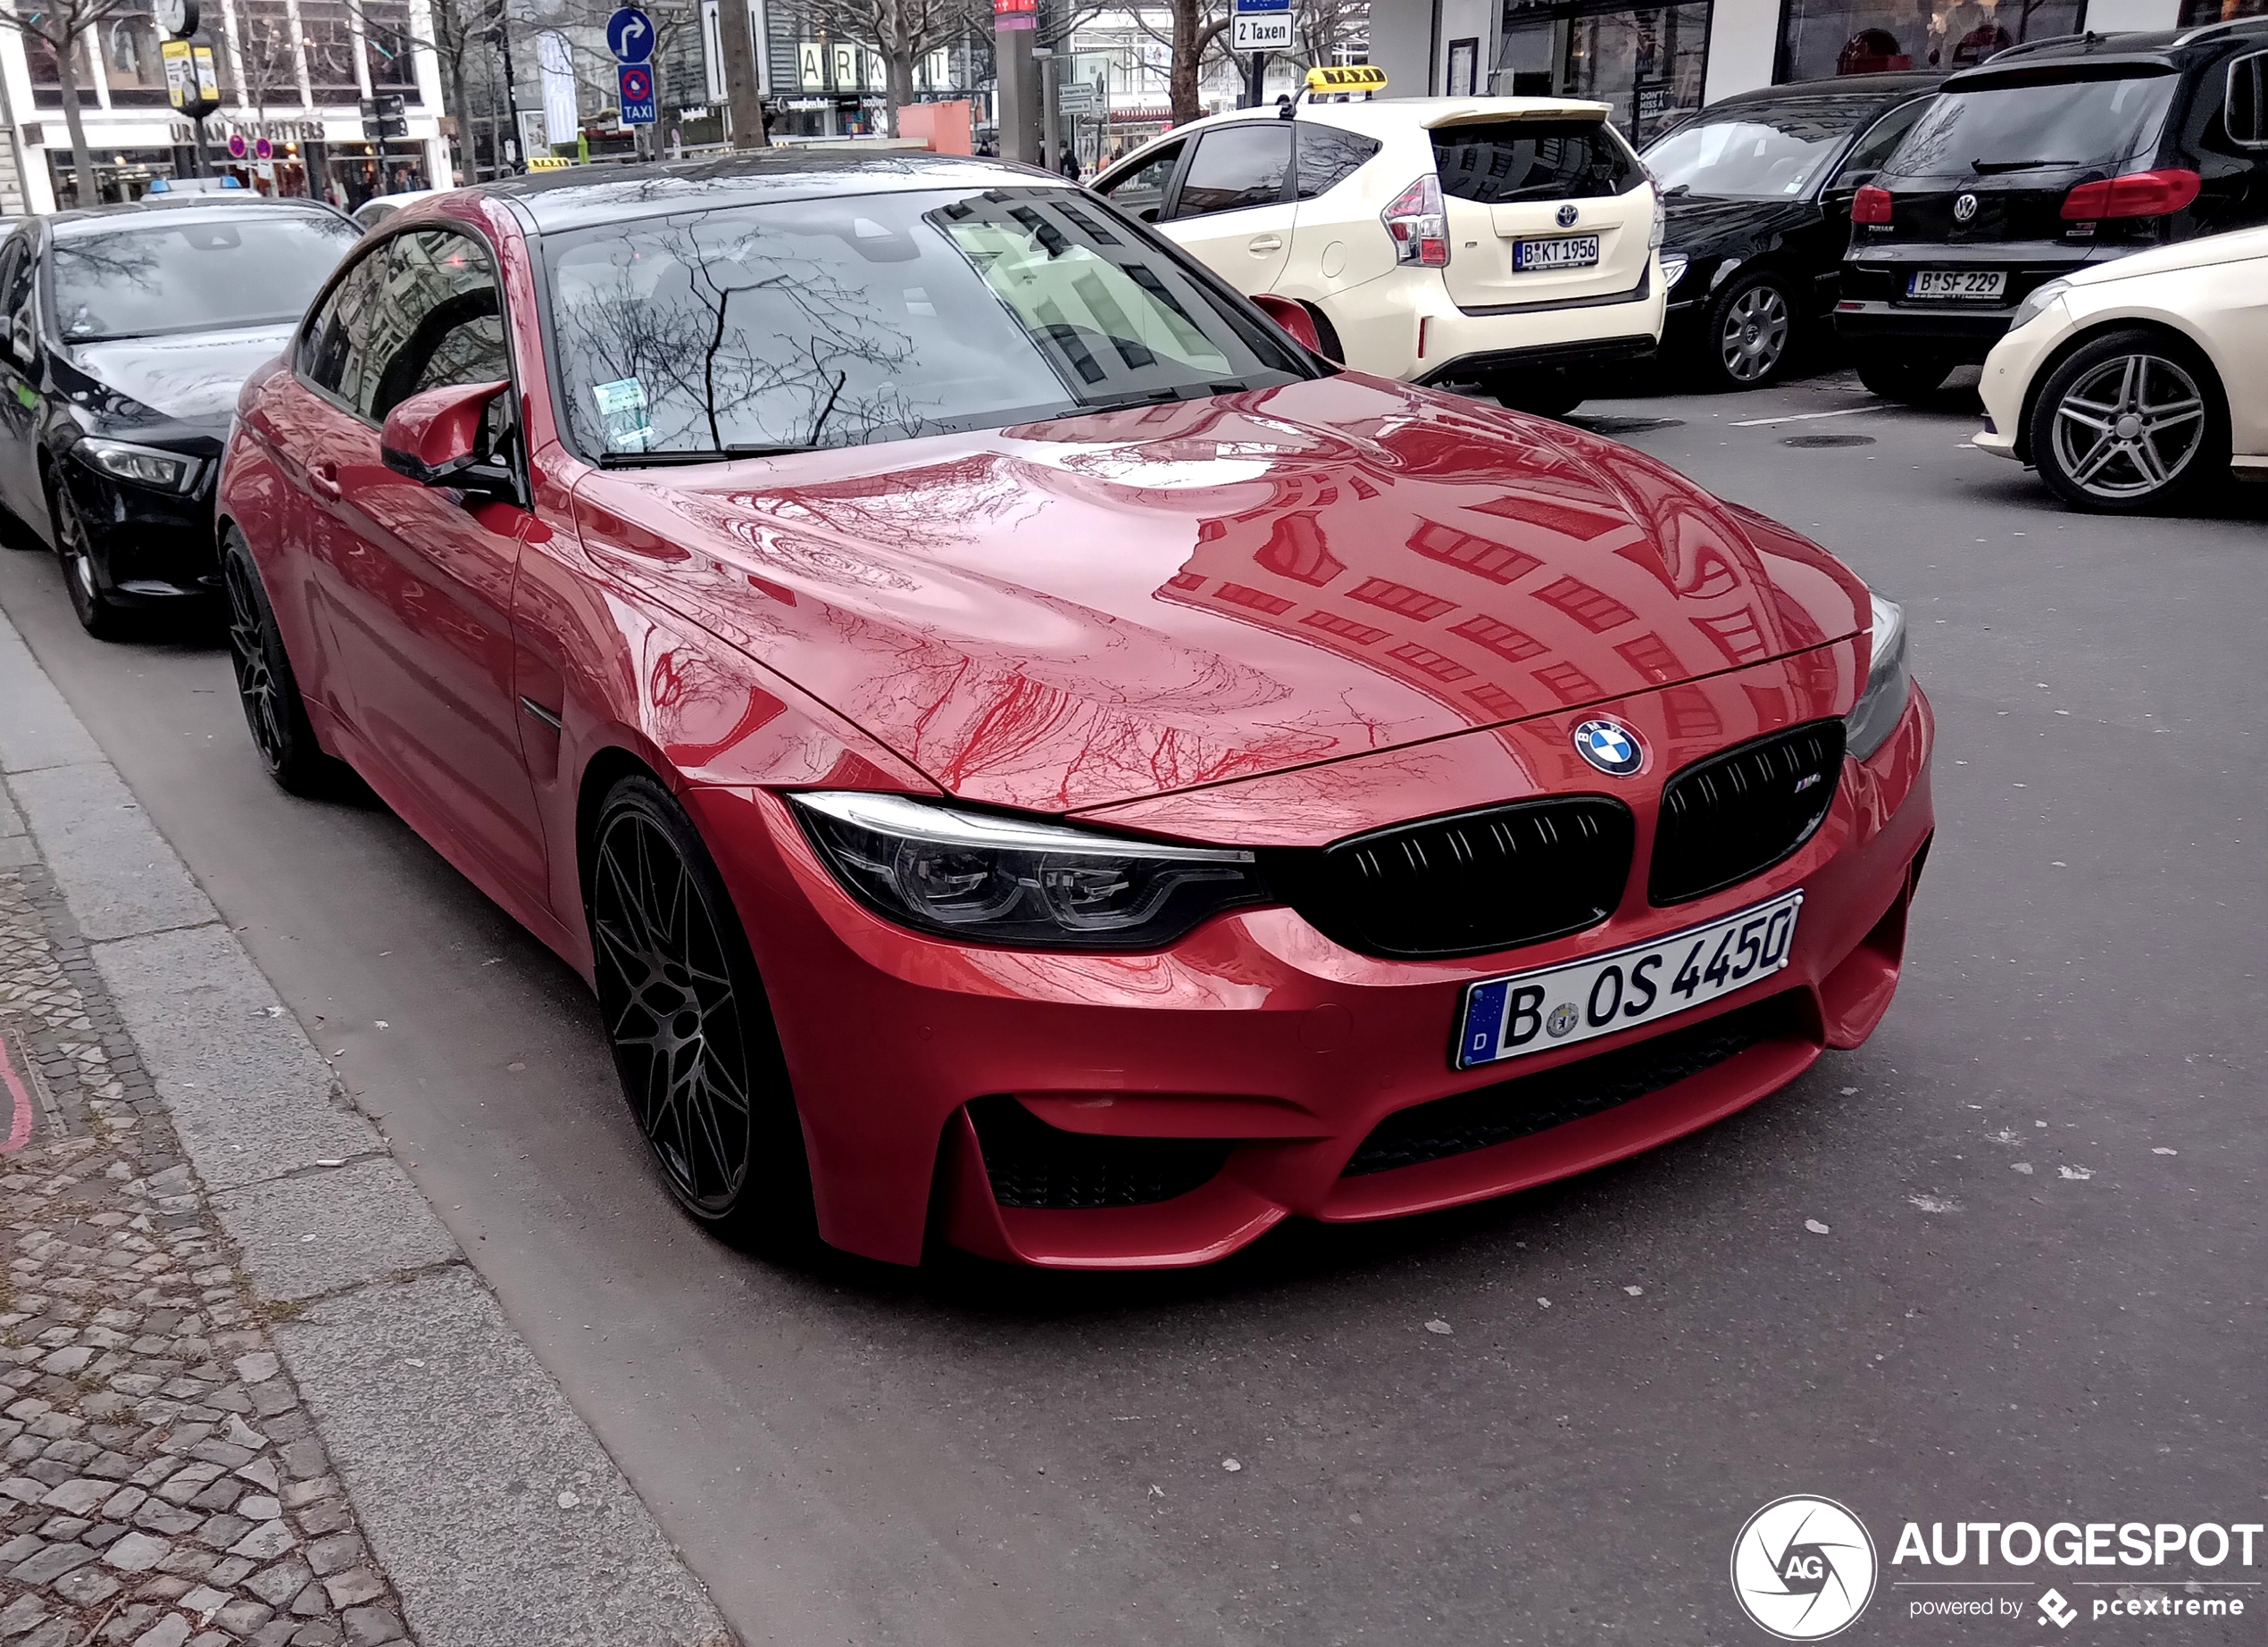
{"x":1506,"y":243}
{"x":2133,"y":384}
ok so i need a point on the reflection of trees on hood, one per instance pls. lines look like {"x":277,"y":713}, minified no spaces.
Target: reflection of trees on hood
{"x":743,"y":347}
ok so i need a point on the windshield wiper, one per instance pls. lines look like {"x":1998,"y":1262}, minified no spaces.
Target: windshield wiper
{"x":696,"y":455}
{"x":1986,"y":168}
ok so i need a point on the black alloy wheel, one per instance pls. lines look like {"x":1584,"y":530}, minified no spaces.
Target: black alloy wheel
{"x":2135,"y":420}
{"x":265,"y":685}
{"x":1910,"y":376}
{"x":1750,"y":331}
{"x":97,"y":612}
{"x":689,"y":1023}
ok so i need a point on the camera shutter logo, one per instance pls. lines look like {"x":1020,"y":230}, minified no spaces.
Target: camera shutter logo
{"x":1964,"y":207}
{"x":1803,"y":1569}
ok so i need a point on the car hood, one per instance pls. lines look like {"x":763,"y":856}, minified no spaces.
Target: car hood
{"x":1707,"y":225}
{"x":1060,"y":615}
{"x":188,"y":378}
{"x":2236,"y":245}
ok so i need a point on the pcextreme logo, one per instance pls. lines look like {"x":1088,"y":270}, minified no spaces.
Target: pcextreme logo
{"x":1803,"y":1569}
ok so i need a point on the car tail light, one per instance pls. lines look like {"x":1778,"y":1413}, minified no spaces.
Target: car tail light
{"x":1420,"y":226}
{"x":1871,"y":205}
{"x":2137,"y":194}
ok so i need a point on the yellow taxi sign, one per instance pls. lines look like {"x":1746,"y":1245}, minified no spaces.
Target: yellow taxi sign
{"x":1359,"y":76}
{"x":548,"y":163}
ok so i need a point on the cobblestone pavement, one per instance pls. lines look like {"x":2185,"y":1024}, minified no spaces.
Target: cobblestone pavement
{"x":161,"y":1483}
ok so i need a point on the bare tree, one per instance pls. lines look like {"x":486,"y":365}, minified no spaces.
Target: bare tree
{"x":461,"y":35}
{"x":59,"y":23}
{"x":1325,"y":28}
{"x":1197,"y":26}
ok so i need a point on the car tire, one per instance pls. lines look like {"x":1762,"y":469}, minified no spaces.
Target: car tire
{"x":273,"y":711}
{"x":2128,"y":422}
{"x":690,"y":1025}
{"x":1748,"y":332}
{"x":1547,"y":392}
{"x":1326,"y":335}
{"x":97,"y":612}
{"x":1908,"y":378}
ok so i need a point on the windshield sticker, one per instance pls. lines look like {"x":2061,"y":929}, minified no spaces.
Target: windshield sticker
{"x":621,"y":408}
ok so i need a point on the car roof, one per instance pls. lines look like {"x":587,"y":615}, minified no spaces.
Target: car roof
{"x":180,"y":208}
{"x":576,"y":197}
{"x":1380,"y":117}
{"x":1899,"y":83}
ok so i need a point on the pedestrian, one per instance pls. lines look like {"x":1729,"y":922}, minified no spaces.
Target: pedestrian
{"x":1069,"y":164}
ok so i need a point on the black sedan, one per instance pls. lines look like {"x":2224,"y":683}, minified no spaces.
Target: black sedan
{"x":1758,"y":191}
{"x":128,"y":332}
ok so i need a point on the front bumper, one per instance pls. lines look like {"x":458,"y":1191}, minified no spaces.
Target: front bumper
{"x":1256,"y":1047}
{"x":2012,"y":372}
{"x":150,"y":547}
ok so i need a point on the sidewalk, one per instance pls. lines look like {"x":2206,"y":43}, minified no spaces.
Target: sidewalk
{"x":250,"y":1390}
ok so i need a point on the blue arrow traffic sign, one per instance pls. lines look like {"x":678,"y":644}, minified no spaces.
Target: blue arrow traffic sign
{"x":629,"y":35}
{"x":637,"y":94}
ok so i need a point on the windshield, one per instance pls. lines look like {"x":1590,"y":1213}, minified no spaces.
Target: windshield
{"x":2036,"y":125}
{"x":206,"y":274}
{"x":878,"y":317}
{"x":1755,"y":154}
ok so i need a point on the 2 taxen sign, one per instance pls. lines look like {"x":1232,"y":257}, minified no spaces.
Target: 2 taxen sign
{"x":1260,"y":31}
{"x":637,"y":94}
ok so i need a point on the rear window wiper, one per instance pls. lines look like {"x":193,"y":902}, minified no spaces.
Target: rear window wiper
{"x":1986,"y":168}
{"x":694,"y":454}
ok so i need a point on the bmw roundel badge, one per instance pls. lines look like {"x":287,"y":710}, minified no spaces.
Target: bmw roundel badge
{"x":1609,"y":746}
{"x":1567,"y":216}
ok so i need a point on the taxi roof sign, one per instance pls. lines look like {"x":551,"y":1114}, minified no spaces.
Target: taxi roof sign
{"x":1362,"y":76}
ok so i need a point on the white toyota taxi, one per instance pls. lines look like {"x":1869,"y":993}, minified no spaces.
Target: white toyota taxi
{"x":1501,"y":242}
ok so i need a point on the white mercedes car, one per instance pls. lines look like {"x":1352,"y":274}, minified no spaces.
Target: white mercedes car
{"x":1503,"y":243}
{"x":2135,"y":384}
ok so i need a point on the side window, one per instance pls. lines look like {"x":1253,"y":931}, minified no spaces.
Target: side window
{"x":330,"y":350}
{"x":1868,"y":154}
{"x":2245,"y":113}
{"x":439,"y":322}
{"x":1142,"y":191}
{"x":1329,"y":156}
{"x":15,"y":294}
{"x":1235,"y":167}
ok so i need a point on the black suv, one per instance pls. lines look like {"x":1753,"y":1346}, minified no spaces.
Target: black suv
{"x":2053,"y":155}
{"x":1757,"y":189}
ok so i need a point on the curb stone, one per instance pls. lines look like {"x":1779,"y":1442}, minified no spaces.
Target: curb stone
{"x":490,"y":1505}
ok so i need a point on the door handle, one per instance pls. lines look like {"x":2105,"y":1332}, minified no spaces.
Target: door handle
{"x":323,"y":477}
{"x":1267,"y":243}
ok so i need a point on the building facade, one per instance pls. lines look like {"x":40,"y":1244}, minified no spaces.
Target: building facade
{"x":1655,"y":62}
{"x":293,"y":75}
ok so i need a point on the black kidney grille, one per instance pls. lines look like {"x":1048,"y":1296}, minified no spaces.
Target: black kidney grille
{"x":1031,"y":1164}
{"x":1463,"y":885}
{"x":1738,"y":814}
{"x":1534,"y":1103}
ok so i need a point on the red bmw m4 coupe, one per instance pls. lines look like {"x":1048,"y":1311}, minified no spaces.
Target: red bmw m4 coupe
{"x":1027,"y":755}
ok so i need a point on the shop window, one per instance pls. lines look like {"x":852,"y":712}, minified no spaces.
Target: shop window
{"x":1644,"y":62}
{"x":329,"y":40}
{"x":387,"y":45}
{"x":1820,"y":39}
{"x":266,"y":66}
{"x":46,"y":84}
{"x":2194,"y":13}
{"x":131,"y":61}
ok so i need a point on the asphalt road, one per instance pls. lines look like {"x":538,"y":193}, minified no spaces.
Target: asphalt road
{"x":2038,"y":1295}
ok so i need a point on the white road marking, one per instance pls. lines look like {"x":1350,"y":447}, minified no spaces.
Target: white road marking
{"x":1805,"y":417}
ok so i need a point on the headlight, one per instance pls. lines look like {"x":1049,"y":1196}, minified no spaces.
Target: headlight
{"x":1673,"y":267}
{"x":2035,"y":305}
{"x":168,"y":472}
{"x":990,"y":879}
{"x":1889,"y":682}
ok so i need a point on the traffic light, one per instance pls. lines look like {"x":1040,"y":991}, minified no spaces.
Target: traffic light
{"x":385,"y":116}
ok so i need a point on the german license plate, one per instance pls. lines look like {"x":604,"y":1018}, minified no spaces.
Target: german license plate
{"x":1562,"y":252}
{"x":1975,"y":284}
{"x":1538,"y":1012}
